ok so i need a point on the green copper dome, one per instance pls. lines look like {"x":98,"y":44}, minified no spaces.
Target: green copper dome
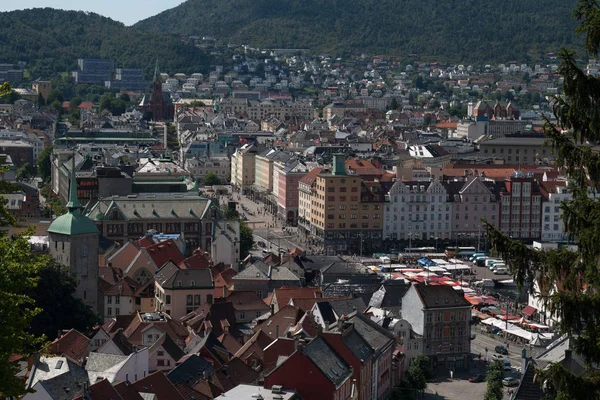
{"x":73,"y":222}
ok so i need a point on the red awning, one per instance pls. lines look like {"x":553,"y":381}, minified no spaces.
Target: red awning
{"x":529,"y":311}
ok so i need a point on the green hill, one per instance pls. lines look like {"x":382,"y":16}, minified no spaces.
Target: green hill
{"x":51,"y":41}
{"x":460,"y":30}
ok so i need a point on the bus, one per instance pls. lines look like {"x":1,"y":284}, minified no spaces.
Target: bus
{"x":452,"y":251}
{"x":419,"y":250}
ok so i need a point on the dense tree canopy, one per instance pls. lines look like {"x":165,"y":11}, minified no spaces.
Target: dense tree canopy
{"x":54,"y":295}
{"x":495,"y":373}
{"x":44,"y":163}
{"x":457,"y":30}
{"x":51,"y":41}
{"x":211,"y":179}
{"x":569,"y":281}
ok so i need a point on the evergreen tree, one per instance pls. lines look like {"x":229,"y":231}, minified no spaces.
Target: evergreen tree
{"x":569,"y":281}
{"x":495,"y":374}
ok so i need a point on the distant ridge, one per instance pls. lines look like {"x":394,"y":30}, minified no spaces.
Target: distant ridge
{"x":51,"y":41}
{"x":459,"y":30}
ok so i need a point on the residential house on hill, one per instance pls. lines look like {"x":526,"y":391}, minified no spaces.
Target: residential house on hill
{"x":180,"y":291}
{"x":325,"y":374}
{"x":263,"y":278}
{"x":441,"y":316}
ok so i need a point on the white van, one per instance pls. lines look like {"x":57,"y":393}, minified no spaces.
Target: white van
{"x":497,"y":265}
{"x":491,"y":261}
{"x":501,"y":271}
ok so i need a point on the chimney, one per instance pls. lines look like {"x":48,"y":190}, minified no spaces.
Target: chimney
{"x":272,"y":309}
{"x":277,"y":331}
{"x":568,"y":354}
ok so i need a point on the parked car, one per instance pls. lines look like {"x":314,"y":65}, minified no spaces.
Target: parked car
{"x":510,"y":381}
{"x":477,"y":378}
{"x":500,"y":271}
{"x":497,"y":357}
{"x":474,"y":256}
{"x":501,"y":350}
{"x":507,"y":366}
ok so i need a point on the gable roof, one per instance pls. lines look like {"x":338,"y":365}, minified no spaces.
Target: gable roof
{"x":158,"y":384}
{"x":281,"y":322}
{"x":377,"y":337}
{"x":162,"y":252}
{"x":170,"y":276}
{"x":284,"y":294}
{"x":101,"y":390}
{"x":190,"y":370}
{"x":246,"y":300}
{"x":440,"y":296}
{"x":72,"y":344}
{"x":327,"y":360}
{"x":168,"y":345}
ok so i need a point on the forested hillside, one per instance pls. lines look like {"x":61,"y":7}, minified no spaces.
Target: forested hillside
{"x":460,"y":30}
{"x":51,"y":40}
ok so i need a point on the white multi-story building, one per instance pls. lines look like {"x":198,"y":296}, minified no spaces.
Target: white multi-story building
{"x":417,"y":209}
{"x":554,"y":193}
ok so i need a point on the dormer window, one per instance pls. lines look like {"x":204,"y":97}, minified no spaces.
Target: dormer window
{"x":192,"y":283}
{"x":179,"y":284}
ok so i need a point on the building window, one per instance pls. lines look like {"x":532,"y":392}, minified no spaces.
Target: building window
{"x":117,"y":311}
{"x":242,"y":316}
{"x":109,"y":300}
{"x":109,"y":311}
{"x":84,"y":251}
{"x":168,"y":299}
{"x":197,"y":300}
{"x":189,"y":300}
{"x":117,"y":299}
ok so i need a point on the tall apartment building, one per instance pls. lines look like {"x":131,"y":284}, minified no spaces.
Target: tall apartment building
{"x":258,"y":110}
{"x":286,"y":178}
{"x":243,"y":167}
{"x":94,"y":70}
{"x":417,"y":210}
{"x":554,"y":193}
{"x":521,"y":206}
{"x":471,"y":201}
{"x":306,"y":187}
{"x":129,"y":79}
{"x":518,"y":150}
{"x":263,"y":180}
{"x":339,"y":219}
{"x":441,"y":316}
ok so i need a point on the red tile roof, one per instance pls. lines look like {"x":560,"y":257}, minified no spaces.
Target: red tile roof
{"x":199,"y":260}
{"x":191,"y":394}
{"x":284,"y":294}
{"x":207,"y":389}
{"x":101,"y":390}
{"x":158,"y":384}
{"x":127,"y":391}
{"x":311,"y":176}
{"x":247,"y":300}
{"x":165,"y":251}
{"x":72,"y":344}
{"x":280,"y":322}
{"x":224,"y":280}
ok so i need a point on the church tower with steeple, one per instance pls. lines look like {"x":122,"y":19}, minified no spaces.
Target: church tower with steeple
{"x":74,"y":241}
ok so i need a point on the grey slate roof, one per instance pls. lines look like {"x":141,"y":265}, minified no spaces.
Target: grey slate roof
{"x":62,"y":378}
{"x":440,"y":296}
{"x":528,"y":390}
{"x":357,"y":345}
{"x":102,"y":362}
{"x":151,"y":206}
{"x":377,"y":337}
{"x":347,"y":307}
{"x":170,"y":275}
{"x":261,"y":271}
{"x":190,"y":370}
{"x":327,"y":360}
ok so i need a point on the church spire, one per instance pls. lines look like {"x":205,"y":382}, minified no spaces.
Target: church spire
{"x":156,"y":72}
{"x":73,"y":203}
